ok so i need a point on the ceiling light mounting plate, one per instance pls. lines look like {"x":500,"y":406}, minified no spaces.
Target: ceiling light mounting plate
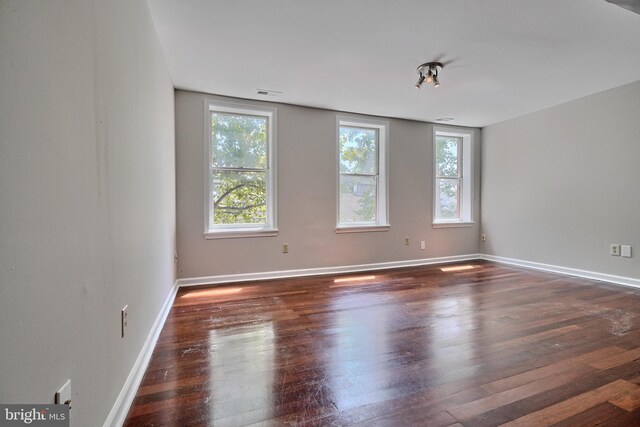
{"x":433,"y":66}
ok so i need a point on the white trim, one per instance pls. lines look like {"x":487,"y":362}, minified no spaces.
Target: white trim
{"x":121,"y":406}
{"x":610,"y":278}
{"x":468,"y":177}
{"x":267,"y":275}
{"x":271,"y":114}
{"x":362,"y":228}
{"x":246,"y":277}
{"x":453,"y":224}
{"x":238,"y":233}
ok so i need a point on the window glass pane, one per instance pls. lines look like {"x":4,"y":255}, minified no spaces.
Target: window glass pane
{"x":448,"y":198}
{"x":358,"y":199}
{"x":238,"y":197}
{"x":358,"y":150}
{"x":238,"y":141}
{"x":447,"y":163}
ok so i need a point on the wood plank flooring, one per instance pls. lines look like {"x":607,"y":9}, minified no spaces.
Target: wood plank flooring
{"x":485,"y":345}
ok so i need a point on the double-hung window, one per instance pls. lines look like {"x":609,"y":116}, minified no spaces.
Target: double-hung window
{"x":453,"y":177}
{"x":362,"y":175}
{"x":240,"y":182}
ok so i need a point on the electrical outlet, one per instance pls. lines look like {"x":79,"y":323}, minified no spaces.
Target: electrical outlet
{"x":124,"y":319}
{"x":285,"y":248}
{"x":406,"y":240}
{"x":614,"y":249}
{"x":423,"y":246}
{"x":63,"y":395}
{"x":483,"y":237}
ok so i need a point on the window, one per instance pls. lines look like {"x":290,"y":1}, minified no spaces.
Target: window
{"x":240,"y":181}
{"x":362,"y":175}
{"x":453,"y":177}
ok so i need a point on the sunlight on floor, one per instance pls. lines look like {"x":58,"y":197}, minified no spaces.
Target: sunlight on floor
{"x":354,"y":279}
{"x":211,"y":292}
{"x":458,"y":268}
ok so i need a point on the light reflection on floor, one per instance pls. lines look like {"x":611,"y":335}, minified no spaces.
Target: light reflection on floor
{"x":362,"y":354}
{"x":453,"y":323}
{"x":359,"y":349}
{"x":249,"y":384}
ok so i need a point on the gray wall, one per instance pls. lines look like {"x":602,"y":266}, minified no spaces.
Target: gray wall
{"x":560,"y":185}
{"x":87,"y":197}
{"x":307,"y":201}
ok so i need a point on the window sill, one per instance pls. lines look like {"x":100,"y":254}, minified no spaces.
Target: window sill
{"x":453,"y":224}
{"x":240,"y":233}
{"x":362,"y":228}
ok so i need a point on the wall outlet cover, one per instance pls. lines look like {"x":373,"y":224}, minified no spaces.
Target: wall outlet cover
{"x":614,"y":249}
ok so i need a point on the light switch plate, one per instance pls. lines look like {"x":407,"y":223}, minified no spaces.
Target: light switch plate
{"x":625,"y":251}
{"x":124,"y":320}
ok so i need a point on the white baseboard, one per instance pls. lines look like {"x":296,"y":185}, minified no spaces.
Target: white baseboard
{"x":120,"y":408}
{"x":619,"y":280}
{"x":246,"y":277}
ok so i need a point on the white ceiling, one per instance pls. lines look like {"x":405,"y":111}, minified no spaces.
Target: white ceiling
{"x":503,"y":58}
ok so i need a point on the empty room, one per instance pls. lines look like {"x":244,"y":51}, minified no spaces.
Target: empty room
{"x":310,"y":213}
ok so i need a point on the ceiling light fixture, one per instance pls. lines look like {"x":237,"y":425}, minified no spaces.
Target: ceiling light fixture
{"x":431,"y":71}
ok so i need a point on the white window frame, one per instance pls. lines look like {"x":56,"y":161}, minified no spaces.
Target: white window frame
{"x":224,"y":231}
{"x":382,"y":205}
{"x":467,"y":174}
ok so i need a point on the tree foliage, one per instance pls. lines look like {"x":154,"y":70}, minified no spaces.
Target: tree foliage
{"x":447,"y":170}
{"x":239,"y":160}
{"x":358,"y":174}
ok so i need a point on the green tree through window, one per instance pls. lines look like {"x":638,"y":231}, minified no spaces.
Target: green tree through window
{"x":448,"y":176}
{"x":239,"y":150}
{"x":358,"y":174}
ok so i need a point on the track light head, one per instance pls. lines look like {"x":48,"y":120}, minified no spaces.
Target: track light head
{"x":431,"y":76}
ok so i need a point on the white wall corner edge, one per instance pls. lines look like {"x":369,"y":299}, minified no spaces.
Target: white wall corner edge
{"x":120,"y":408}
{"x":604,"y":277}
{"x":248,"y":277}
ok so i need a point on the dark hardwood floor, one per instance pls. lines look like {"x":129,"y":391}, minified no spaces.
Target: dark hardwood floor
{"x":481,"y":345}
